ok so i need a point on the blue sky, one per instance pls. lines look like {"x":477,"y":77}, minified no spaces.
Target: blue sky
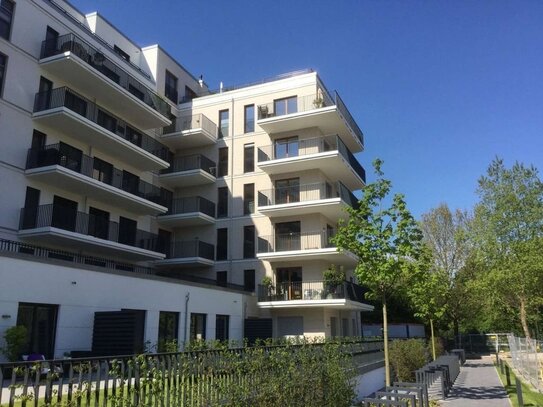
{"x":439,"y":87}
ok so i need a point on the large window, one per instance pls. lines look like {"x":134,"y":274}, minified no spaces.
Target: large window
{"x":222,"y":202}
{"x":248,"y":242}
{"x":286,"y":147}
{"x":224,"y":123}
{"x":102,"y":171}
{"x":3,"y":65}
{"x":248,"y":158}
{"x":222,"y":327}
{"x":223,"y":162}
{"x":222,"y":244}
{"x":249,"y":280}
{"x":6,"y":17}
{"x":249,"y":119}
{"x":170,"y":87}
{"x":222,"y":278}
{"x":40,"y":321}
{"x":248,"y":199}
{"x":197,"y":327}
{"x":168,"y":330}
{"x":98,"y":223}
{"x":285,"y":106}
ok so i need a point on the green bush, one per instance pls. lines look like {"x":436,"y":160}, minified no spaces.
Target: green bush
{"x":406,"y":356}
{"x":16,"y":340}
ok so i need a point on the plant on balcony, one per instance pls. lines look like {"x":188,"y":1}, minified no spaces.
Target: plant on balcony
{"x":318,"y":102}
{"x":333,"y":278}
{"x":268,"y":285}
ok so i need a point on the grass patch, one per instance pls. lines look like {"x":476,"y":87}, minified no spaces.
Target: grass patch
{"x":530,"y":396}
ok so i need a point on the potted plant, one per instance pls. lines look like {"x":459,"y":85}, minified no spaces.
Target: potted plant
{"x":333,"y":278}
{"x":267,"y":286}
{"x":318,"y":102}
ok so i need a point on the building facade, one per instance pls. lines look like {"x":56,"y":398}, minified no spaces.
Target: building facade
{"x":128,"y":185}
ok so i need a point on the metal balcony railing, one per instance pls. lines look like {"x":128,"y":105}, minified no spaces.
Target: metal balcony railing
{"x":318,"y":100}
{"x":189,"y":163}
{"x":61,"y":217}
{"x":103,"y":64}
{"x":310,"y":291}
{"x":296,"y":241}
{"x":305,"y":193}
{"x":184,"y":123}
{"x":298,"y":148}
{"x":66,"y":97}
{"x":190,"y":248}
{"x":69,"y":157}
{"x":190,"y":205}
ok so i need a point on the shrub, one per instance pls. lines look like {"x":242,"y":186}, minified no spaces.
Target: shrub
{"x":16,"y":340}
{"x":406,"y":356}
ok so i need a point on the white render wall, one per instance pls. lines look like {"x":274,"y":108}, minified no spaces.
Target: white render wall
{"x":29,"y":281}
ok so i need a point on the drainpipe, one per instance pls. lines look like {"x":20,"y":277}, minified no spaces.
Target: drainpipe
{"x":187,"y":297}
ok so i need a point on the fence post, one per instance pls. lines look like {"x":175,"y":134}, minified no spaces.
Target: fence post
{"x":519,"y":392}
{"x":507,"y":375}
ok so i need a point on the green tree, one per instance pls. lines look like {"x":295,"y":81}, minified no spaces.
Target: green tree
{"x":508,"y":229}
{"x":388,"y":242}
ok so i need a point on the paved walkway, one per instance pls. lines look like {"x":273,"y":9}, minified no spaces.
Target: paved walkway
{"x":477,"y":385}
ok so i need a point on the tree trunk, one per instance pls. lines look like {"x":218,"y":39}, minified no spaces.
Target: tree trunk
{"x":433,"y":338}
{"x":523,"y":320}
{"x":385,"y":343}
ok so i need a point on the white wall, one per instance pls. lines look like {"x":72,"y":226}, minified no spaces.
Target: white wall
{"x":369,"y":383}
{"x":29,"y":281}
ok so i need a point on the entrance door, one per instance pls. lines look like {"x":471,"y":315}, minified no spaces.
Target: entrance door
{"x":289,"y":281}
{"x":64,"y":213}
{"x":40,"y":320}
{"x":287,"y":236}
{"x":287,"y":191}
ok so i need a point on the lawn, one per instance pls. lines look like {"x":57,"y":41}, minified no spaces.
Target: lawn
{"x":530,"y":396}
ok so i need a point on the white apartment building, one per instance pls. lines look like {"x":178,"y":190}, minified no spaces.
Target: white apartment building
{"x":132,"y":194}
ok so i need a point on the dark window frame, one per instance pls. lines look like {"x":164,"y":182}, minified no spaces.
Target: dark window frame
{"x":222,"y":164}
{"x":249,"y":242}
{"x":171,"y":82}
{"x":224,"y":123}
{"x":248,"y":199}
{"x":6,"y":17}
{"x":222,"y":244}
{"x":222,"y":327}
{"x":222,"y":278}
{"x":249,"y":118}
{"x":163,"y":328}
{"x":3,"y":70}
{"x":222,"y":202}
{"x":249,"y":279}
{"x":194,"y":316}
{"x":248,"y":158}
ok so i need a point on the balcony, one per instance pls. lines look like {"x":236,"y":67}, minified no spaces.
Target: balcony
{"x":190,"y":170}
{"x":191,"y":211}
{"x":324,"y":198}
{"x":328,"y":154}
{"x":73,"y":230}
{"x":306,"y":294}
{"x":65,"y":110}
{"x":320,"y":109}
{"x":188,"y":253}
{"x":189,"y":132}
{"x":303,"y":247}
{"x":66,"y":167}
{"x":91,"y":71}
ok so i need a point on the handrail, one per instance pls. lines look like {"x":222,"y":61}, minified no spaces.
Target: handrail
{"x":309,"y":290}
{"x":190,"y":248}
{"x":95,"y":58}
{"x":190,"y":205}
{"x":66,"y":97}
{"x":190,"y":162}
{"x":281,"y":242}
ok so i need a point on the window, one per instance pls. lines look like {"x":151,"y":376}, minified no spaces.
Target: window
{"x":50,"y":45}
{"x":3,"y":64}
{"x":40,"y":321}
{"x":64,"y":214}
{"x":249,"y":280}
{"x":286,"y":147}
{"x":249,"y":119}
{"x":222,"y":327}
{"x":107,"y":121}
{"x":287,"y":191}
{"x":43,"y":99}
{"x":168,"y":329}
{"x":102,"y":171}
{"x":6,"y":16}
{"x":121,"y":53}
{"x":223,"y":162}
{"x":248,"y":242}
{"x":127,"y":231}
{"x":222,"y":202}
{"x":224,"y":123}
{"x":222,"y":278}
{"x":285,"y":106}
{"x":287,"y":236}
{"x":197,"y":326}
{"x":248,"y":158}
{"x":98,"y":223}
{"x":248,"y":199}
{"x":222,"y":244}
{"x":32,"y":202}
{"x":170,"y":88}
{"x":38,"y":140}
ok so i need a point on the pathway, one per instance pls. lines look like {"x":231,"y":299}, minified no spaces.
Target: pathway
{"x":477,"y":385}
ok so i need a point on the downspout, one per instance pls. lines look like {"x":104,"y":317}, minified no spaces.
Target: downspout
{"x":187,"y":297}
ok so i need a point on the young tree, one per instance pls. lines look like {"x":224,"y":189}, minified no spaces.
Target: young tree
{"x":387,"y":241}
{"x":509,"y":232}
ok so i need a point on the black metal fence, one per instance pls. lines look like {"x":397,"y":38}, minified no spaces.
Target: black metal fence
{"x":191,"y":162}
{"x":69,"y":157}
{"x":99,"y":61}
{"x":191,"y":205}
{"x":66,"y":97}
{"x":311,"y":291}
{"x":296,"y":241}
{"x":191,"y":248}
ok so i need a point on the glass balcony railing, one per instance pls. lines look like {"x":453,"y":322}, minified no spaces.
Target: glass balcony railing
{"x":310,"y":291}
{"x":65,"y":97}
{"x":303,"y":147}
{"x":185,"y":123}
{"x":100,"y":62}
{"x":189,"y":163}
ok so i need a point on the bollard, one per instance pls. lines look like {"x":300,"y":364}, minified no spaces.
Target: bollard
{"x":507,"y":376}
{"x":519,"y":392}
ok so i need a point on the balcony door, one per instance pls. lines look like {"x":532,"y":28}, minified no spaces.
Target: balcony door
{"x":98,"y":223}
{"x":289,"y":281}
{"x":285,"y":106}
{"x":75,"y":103}
{"x":70,"y":157}
{"x":43,"y":98}
{"x":286,"y":147}
{"x":287,"y":236}
{"x":130,"y":182}
{"x":287,"y":191}
{"x":64,"y":214}
{"x":127,"y":231}
{"x":30,"y":213}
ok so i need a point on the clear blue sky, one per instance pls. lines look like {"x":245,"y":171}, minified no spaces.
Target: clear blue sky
{"x":439,"y":87}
